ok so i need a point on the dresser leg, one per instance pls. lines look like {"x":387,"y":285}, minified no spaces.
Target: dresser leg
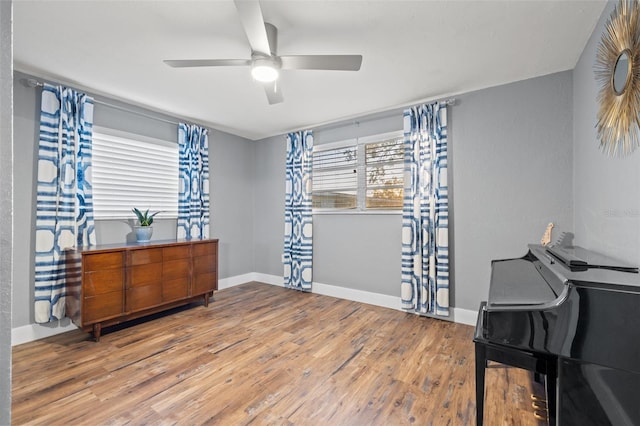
{"x":481,"y":364}
{"x":97,"y":329}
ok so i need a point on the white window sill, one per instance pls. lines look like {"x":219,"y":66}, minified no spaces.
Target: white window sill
{"x":355,"y":211}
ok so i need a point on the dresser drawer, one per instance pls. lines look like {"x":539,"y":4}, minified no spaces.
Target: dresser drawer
{"x":102,"y":307}
{"x":205,"y":249}
{"x":102,"y":281}
{"x":177,"y":252}
{"x":175,"y":289}
{"x":146,"y":256}
{"x":144,"y":297}
{"x":204,"y":283}
{"x":140,"y":275}
{"x":204,"y":264}
{"x":101,"y":261}
{"x":175,"y":269}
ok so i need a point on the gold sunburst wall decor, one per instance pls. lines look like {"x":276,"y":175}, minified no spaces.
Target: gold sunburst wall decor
{"x":617,"y":70}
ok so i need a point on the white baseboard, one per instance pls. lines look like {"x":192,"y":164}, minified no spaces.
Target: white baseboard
{"x":234,"y":281}
{"x":268,"y":279}
{"x":31,"y":332}
{"x":361,"y":296}
{"x":458,"y":315}
{"x":465,"y":316}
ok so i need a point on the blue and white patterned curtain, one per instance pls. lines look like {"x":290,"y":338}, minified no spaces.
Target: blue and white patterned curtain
{"x":298,"y":219}
{"x":64,"y":204}
{"x":425,"y":211}
{"x":193,"y":199}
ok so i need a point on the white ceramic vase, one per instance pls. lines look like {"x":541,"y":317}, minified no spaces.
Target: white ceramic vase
{"x":143,"y":233}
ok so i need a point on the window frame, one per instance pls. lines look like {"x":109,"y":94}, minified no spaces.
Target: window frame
{"x":106,"y":133}
{"x":359,"y":143}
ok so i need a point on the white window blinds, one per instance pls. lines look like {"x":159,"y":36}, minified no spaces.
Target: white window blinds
{"x":133,"y":171}
{"x":335,"y":178}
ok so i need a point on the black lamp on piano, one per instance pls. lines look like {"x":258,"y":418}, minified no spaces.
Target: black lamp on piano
{"x":572,"y":316}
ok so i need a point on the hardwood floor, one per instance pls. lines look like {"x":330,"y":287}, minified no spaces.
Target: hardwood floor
{"x":264,"y":355}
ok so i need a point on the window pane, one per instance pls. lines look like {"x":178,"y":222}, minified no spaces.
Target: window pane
{"x":128,"y":172}
{"x":335,"y":200}
{"x":388,"y":198}
{"x":386,"y":151}
{"x":384,"y":174}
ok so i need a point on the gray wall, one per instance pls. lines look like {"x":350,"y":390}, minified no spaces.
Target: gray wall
{"x":268,"y":220}
{"x":231,"y":161}
{"x":607,"y":201}
{"x":6,"y":215}
{"x":510,"y":173}
{"x":231,"y":167}
{"x":25,"y":123}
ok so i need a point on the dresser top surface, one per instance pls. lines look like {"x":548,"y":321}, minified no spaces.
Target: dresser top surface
{"x":136,"y":245}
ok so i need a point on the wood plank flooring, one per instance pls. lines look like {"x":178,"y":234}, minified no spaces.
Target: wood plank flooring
{"x":263,"y":355}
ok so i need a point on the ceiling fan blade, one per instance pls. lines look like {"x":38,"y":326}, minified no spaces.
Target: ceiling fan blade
{"x":186,"y":63}
{"x":274,"y":94}
{"x":253,"y":23}
{"x":322,"y":62}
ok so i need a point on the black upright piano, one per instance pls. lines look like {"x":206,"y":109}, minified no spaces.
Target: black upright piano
{"x":572,"y":317}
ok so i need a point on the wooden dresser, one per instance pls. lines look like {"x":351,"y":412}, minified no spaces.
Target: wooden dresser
{"x":115,"y":283}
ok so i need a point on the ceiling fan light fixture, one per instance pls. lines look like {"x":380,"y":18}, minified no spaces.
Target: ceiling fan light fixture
{"x":264,"y":73}
{"x":265,"y":70}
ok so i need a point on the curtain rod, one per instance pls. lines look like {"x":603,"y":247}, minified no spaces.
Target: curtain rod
{"x":386,"y":113}
{"x":32,"y":82}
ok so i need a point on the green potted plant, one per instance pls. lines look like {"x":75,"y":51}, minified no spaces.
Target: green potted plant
{"x":144,"y":230}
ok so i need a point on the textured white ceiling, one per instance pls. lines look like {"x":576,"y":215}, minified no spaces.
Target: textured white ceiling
{"x":413,"y":51}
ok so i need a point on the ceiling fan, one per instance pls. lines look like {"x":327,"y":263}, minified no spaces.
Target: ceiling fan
{"x":265,"y":63}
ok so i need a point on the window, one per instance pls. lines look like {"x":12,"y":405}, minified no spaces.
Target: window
{"x":359,"y":175}
{"x":133,"y":171}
